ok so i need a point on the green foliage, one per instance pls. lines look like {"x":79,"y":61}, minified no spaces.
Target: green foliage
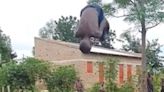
{"x":36,"y":68}
{"x":111,"y":74}
{"x":137,"y":11}
{"x":24,"y":75}
{"x":153,"y":59}
{"x":48,"y":30}
{"x":62,"y":29}
{"x":62,"y":79}
{"x":109,"y":40}
{"x":95,"y":88}
{"x":157,"y":82}
{"x":65,"y":29}
{"x":4,"y":73}
{"x":5,"y":47}
{"x":127,"y":87}
{"x":130,"y":42}
{"x":110,"y":68}
{"x":153,"y":49}
{"x":2,"y":77}
{"x":95,"y":2}
{"x":18,"y":78}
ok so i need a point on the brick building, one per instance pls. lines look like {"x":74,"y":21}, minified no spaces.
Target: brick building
{"x":65,"y":53}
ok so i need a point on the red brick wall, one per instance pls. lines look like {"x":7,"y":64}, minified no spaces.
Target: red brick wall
{"x":65,"y":54}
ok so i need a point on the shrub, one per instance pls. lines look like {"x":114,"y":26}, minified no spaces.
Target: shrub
{"x":62,"y":79}
{"x":95,"y":88}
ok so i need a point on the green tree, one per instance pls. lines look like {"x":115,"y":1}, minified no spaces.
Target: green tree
{"x":109,"y":40}
{"x":145,"y":14}
{"x":153,"y":49}
{"x":99,"y":2}
{"x":62,"y":29}
{"x":5,"y":48}
{"x":48,"y":30}
{"x":130,"y":42}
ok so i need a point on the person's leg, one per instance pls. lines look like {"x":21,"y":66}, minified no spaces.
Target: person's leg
{"x":102,"y":25}
{"x":104,"y":28}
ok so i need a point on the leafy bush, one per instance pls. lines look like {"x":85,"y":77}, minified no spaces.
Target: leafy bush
{"x":36,"y":68}
{"x":23,"y":75}
{"x":18,"y":78}
{"x":3,"y":73}
{"x":111,"y":74}
{"x":157,"y":81}
{"x":127,"y":87}
{"x":62,"y":79}
{"x":95,"y":88}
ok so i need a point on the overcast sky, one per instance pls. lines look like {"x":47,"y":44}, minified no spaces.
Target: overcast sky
{"x":22,"y":19}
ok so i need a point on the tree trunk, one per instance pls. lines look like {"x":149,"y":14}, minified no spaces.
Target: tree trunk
{"x":143,"y":77}
{"x":144,"y":66}
{"x":143,"y":35}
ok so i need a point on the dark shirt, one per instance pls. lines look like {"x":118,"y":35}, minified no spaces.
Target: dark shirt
{"x":98,"y":9}
{"x":100,"y":18}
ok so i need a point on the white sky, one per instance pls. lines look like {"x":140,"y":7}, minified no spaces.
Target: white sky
{"x":22,"y":19}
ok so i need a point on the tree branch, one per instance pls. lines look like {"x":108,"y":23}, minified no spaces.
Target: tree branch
{"x":122,"y":15}
{"x":135,"y":5}
{"x":132,"y":2}
{"x":157,"y":23}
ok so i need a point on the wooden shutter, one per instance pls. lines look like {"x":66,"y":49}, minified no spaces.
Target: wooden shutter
{"x":121,"y":73}
{"x":101,"y":73}
{"x":89,"y":67}
{"x":129,"y":71}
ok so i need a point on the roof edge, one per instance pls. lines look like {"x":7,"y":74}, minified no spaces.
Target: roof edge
{"x":104,"y":51}
{"x":68,"y":44}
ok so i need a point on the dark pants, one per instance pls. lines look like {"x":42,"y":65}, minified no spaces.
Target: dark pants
{"x":162,"y":89}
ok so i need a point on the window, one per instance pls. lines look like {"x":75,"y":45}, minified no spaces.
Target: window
{"x":121,"y":73}
{"x":89,"y":67}
{"x":129,"y":71}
